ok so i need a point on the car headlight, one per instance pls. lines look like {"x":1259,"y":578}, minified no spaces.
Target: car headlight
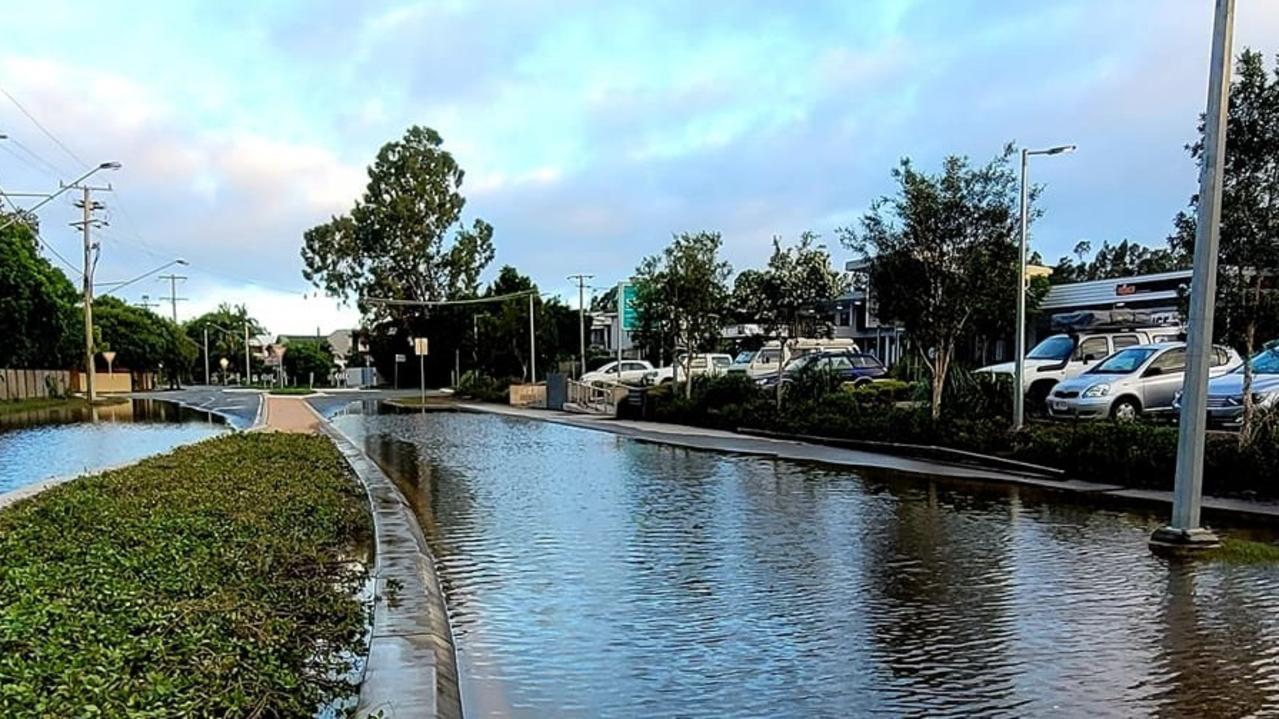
{"x":1097,"y":390}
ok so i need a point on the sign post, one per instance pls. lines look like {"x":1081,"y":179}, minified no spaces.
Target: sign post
{"x":420,"y":348}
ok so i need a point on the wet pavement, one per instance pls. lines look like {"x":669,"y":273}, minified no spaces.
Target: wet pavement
{"x":59,"y":443}
{"x":588,"y":574}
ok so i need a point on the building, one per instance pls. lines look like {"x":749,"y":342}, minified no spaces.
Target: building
{"x":1158,"y":294}
{"x":855,"y":317}
{"x":605,"y":334}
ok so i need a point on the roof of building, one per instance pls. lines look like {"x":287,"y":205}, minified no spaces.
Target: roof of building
{"x":1158,"y":287}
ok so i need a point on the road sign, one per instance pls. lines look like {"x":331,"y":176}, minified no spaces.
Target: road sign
{"x":401,"y":358}
{"x":420,"y":346}
{"x":626,"y":300}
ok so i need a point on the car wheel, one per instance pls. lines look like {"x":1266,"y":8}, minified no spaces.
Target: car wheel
{"x":1125,"y":410}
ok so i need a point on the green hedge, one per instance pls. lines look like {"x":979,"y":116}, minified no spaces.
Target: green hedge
{"x":1132,"y":454}
{"x":482,"y":387}
{"x":211,"y":581}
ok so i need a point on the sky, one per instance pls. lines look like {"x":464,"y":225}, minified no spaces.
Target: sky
{"x":589,"y":131}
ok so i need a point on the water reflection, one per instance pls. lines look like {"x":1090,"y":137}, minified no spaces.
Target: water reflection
{"x":589,"y":575}
{"x":58,"y":442}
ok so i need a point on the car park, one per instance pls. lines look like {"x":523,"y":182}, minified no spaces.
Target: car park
{"x":1142,"y":380}
{"x":845,"y":365}
{"x":1225,"y":393}
{"x":1089,"y":337}
{"x":766,"y":361}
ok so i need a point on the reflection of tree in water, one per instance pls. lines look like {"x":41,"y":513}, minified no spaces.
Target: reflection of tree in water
{"x":1218,"y":653}
{"x":938,"y":598}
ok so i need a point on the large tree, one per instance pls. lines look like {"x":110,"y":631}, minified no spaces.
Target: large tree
{"x":308,"y":362}
{"x":682,"y":295}
{"x":941,"y":251}
{"x":795,"y":293}
{"x":1247,"y":302}
{"x":393,"y":243}
{"x":37,"y":304}
{"x":141,"y":339}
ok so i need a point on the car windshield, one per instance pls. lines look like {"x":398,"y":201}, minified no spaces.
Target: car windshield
{"x":1057,"y":347}
{"x":744,"y":358}
{"x":1265,"y":362}
{"x":1124,"y":361}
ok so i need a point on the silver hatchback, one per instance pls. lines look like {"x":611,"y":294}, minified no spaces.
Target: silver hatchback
{"x":1136,"y":381}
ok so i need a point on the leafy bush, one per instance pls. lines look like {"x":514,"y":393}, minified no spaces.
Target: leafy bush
{"x":211,"y":581}
{"x":478,"y":386}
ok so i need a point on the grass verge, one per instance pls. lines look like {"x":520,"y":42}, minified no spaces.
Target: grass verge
{"x":1245,"y":551}
{"x":210,"y":581}
{"x":292,"y":390}
{"x":31,"y":405}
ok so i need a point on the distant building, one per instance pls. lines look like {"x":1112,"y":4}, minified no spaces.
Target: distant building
{"x":855,"y":317}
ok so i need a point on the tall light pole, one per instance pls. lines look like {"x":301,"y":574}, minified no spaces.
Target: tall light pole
{"x":63,"y":188}
{"x":1184,"y":531}
{"x":1019,"y":373}
{"x":86,"y":225}
{"x":581,"y":316}
{"x":532,"y":342}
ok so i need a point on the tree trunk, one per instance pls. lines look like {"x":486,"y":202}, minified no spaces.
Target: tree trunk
{"x":1249,"y":408}
{"x":941,"y":365}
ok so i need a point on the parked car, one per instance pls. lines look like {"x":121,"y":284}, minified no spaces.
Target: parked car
{"x":741,"y":363}
{"x":631,"y":372}
{"x":1136,"y":381}
{"x":701,"y":364}
{"x":1225,"y":393}
{"x":847,"y":365}
{"x":765,"y":361}
{"x":1063,"y":356}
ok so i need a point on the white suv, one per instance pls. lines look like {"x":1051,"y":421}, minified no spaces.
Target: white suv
{"x":1064,"y":356}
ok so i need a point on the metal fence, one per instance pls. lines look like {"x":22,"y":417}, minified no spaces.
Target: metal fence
{"x":33,"y":383}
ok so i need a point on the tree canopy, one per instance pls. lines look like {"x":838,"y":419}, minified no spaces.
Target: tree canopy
{"x":1247,"y":302}
{"x":794,"y":294}
{"x":942,"y":254}
{"x":141,"y":339}
{"x":1123,"y":259}
{"x":38,"y":305}
{"x":308,"y":361}
{"x":681,"y":295}
{"x":392,"y":244}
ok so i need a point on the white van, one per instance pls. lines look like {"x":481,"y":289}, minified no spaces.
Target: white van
{"x":765,"y":361}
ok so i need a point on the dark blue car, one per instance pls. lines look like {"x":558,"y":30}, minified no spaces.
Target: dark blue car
{"x":846,"y":365}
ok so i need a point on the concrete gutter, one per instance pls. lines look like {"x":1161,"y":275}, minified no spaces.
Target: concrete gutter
{"x":412,"y":663}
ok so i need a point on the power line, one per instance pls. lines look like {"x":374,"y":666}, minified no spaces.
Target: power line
{"x":54,"y":169}
{"x":43,"y":129}
{"x":40,"y":238}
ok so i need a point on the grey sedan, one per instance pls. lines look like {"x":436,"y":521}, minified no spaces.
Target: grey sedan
{"x":1136,"y":381}
{"x":1225,"y":393}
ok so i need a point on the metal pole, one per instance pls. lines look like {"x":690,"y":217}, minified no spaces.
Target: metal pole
{"x":247,"y":376}
{"x":88,"y":297}
{"x":532,"y":342}
{"x":1188,"y":488}
{"x":206,"y":354}
{"x":1019,"y":372}
{"x":421,"y":377}
{"x":581,"y":325}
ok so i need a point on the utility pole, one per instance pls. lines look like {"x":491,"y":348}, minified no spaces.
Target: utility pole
{"x":247,"y":376}
{"x":1184,"y":532}
{"x":581,"y":315}
{"x":173,"y":293}
{"x":87,"y":222}
{"x":146,"y":303}
{"x":206,"y":354}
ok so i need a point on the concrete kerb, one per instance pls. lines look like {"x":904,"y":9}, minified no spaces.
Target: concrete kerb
{"x":411,"y":670}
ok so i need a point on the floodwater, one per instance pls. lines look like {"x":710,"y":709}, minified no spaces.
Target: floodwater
{"x":590,"y":575}
{"x":42,"y":444}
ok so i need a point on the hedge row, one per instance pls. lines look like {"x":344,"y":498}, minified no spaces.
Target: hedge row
{"x":212,"y":581}
{"x":1131,"y":454}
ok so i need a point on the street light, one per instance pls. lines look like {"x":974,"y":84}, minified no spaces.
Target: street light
{"x":117,"y":286}
{"x":62,"y":189}
{"x":1019,"y":391}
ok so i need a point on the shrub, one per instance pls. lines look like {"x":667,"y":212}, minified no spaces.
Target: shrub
{"x":211,"y":581}
{"x":478,"y":386}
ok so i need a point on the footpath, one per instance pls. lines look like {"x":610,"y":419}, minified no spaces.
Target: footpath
{"x":412,"y":664}
{"x":722,"y":441}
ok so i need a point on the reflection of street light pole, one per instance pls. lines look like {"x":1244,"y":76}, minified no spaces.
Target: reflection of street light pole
{"x":1019,"y":374}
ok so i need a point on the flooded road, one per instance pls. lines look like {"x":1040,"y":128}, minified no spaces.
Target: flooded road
{"x":591,"y":575}
{"x":47,"y":443}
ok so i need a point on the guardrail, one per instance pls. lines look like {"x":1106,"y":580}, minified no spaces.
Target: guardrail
{"x":595,"y":399}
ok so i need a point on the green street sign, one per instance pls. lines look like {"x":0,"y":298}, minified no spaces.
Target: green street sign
{"x":626,"y":300}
